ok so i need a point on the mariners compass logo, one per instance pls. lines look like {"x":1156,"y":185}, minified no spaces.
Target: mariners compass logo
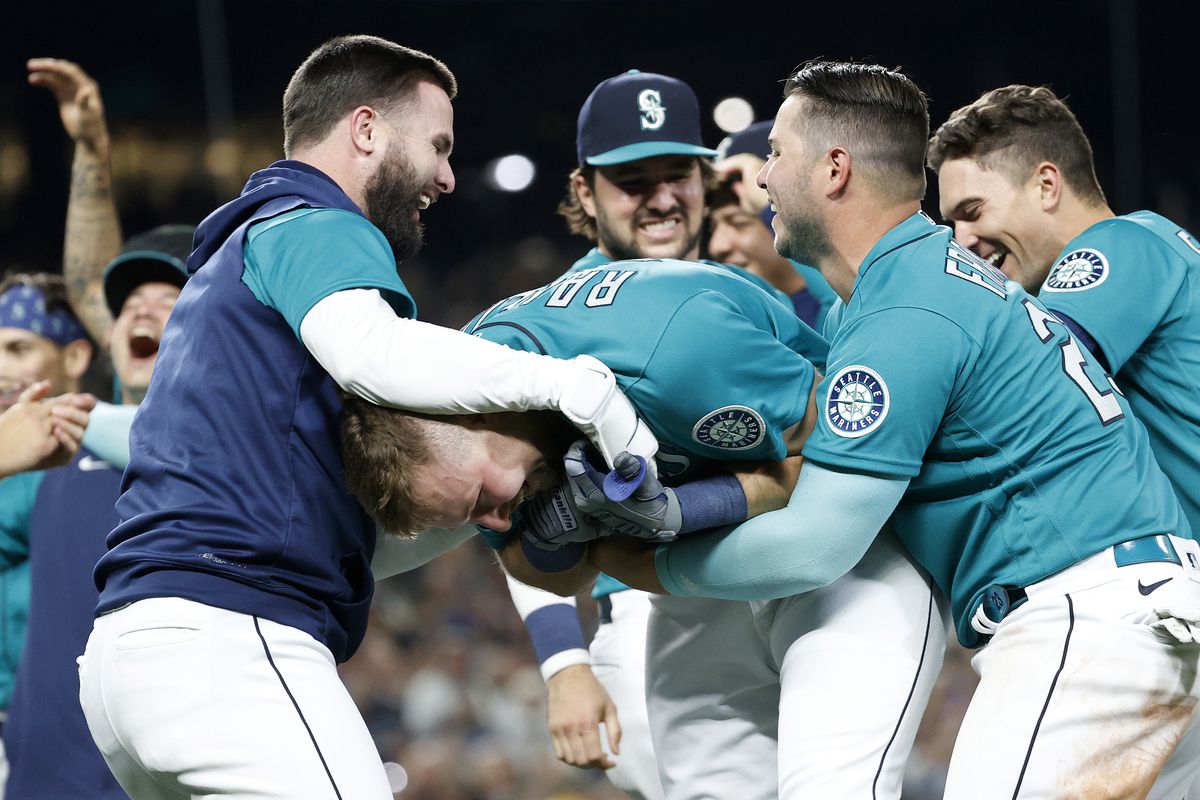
{"x":730,"y":428}
{"x":857,"y":402}
{"x":1078,"y":270}
{"x":654,"y":114}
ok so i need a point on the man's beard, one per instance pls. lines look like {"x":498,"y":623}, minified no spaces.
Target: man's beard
{"x":621,"y":250}
{"x":803,"y":238}
{"x":393,"y":193}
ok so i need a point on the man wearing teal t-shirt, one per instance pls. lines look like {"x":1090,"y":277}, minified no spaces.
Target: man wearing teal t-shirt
{"x":1016,"y":180}
{"x":1011,"y":467}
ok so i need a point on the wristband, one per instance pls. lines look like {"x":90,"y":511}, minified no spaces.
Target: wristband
{"x":711,"y":503}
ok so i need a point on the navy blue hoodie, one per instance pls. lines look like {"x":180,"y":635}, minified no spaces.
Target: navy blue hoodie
{"x":234,"y":496}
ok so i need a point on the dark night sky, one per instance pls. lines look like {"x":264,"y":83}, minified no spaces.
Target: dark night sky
{"x":525,"y":67}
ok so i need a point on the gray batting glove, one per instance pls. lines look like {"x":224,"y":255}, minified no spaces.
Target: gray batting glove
{"x":551,"y":519}
{"x":1182,"y":625}
{"x":651,"y":513}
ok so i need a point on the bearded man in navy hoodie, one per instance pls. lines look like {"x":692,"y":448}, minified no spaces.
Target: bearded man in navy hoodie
{"x":240,"y":574}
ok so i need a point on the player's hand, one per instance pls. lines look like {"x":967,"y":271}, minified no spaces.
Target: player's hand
{"x":578,"y":705}
{"x":630,"y":561}
{"x":651,"y":513}
{"x":78,"y":97}
{"x":595,"y":405}
{"x":551,"y":519}
{"x":41,"y":434}
{"x":743,"y":169}
{"x":1179,"y":624}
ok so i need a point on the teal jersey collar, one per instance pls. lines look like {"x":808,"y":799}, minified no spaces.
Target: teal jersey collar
{"x":913,"y":228}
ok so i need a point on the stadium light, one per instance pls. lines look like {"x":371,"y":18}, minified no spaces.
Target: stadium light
{"x":511,"y":173}
{"x":733,"y":114}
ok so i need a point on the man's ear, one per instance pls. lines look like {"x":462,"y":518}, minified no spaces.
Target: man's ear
{"x":1049,"y":181}
{"x":585,"y":195}
{"x":77,"y":355}
{"x":365,"y":132}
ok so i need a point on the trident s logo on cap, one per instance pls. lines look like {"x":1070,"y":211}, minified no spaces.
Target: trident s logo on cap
{"x":638,"y":115}
{"x":653,"y":114}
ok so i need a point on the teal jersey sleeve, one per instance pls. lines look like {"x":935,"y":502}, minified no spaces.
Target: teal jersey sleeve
{"x":107,"y":433}
{"x":891,"y":381}
{"x":295,"y":260}
{"x":1120,"y":281}
{"x":17,"y":495}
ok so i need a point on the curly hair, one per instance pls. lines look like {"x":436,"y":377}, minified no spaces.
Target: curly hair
{"x":1015,"y":128}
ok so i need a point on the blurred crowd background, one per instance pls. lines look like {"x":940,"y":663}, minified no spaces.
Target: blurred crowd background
{"x":446,"y":679}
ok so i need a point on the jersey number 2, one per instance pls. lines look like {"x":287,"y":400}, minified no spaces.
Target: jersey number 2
{"x":1103,"y":401}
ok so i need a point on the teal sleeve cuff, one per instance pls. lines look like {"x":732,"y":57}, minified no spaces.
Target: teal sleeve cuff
{"x":661,"y":554}
{"x":107,"y":433}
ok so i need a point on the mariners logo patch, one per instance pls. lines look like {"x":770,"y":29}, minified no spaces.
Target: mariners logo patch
{"x":730,"y":428}
{"x":654,"y":114}
{"x":857,"y":402}
{"x":1078,"y":270}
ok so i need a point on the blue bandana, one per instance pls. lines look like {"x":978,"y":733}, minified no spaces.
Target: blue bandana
{"x":25,"y":307}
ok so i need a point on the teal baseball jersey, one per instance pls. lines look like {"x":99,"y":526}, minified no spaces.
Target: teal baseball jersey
{"x":298,"y":258}
{"x":1022,"y":455}
{"x":717,"y":367}
{"x":1133,"y":283}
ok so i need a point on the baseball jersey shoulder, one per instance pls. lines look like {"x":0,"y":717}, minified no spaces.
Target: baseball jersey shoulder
{"x":593,"y":258}
{"x":715,"y":365}
{"x":18,"y":493}
{"x":899,"y":347}
{"x":1122,"y":279}
{"x":296,"y":259}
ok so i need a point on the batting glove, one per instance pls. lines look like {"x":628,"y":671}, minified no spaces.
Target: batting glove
{"x":1182,"y":625}
{"x":651,"y":513}
{"x":551,"y":519}
{"x":594,"y":404}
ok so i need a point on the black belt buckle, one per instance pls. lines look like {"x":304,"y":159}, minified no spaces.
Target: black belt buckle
{"x":999,"y":601}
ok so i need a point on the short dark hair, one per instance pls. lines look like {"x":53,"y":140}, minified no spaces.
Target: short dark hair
{"x":1017,"y":127}
{"x":350,"y":71}
{"x":581,"y":223}
{"x":882,"y":111}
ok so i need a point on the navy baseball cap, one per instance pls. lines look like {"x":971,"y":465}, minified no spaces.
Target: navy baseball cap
{"x":159,"y":254}
{"x":752,"y":139}
{"x":638,"y":115}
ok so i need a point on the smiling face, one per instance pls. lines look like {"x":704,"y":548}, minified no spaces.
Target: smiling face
{"x":649,"y":208}
{"x":414,"y":170}
{"x":136,"y":334}
{"x":26,"y":358}
{"x":789,"y":176}
{"x":999,"y":219}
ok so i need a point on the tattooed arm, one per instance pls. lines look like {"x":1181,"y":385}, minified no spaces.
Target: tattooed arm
{"x":93,"y":235}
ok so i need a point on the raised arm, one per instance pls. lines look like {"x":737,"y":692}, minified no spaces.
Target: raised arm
{"x":93,"y":233}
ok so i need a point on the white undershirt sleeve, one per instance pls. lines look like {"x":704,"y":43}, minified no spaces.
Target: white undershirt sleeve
{"x":395,"y":361}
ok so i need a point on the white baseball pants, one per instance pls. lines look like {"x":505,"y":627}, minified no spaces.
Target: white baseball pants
{"x":812,"y":696}
{"x":189,"y":701}
{"x":1078,"y":697}
{"x":618,"y":653}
